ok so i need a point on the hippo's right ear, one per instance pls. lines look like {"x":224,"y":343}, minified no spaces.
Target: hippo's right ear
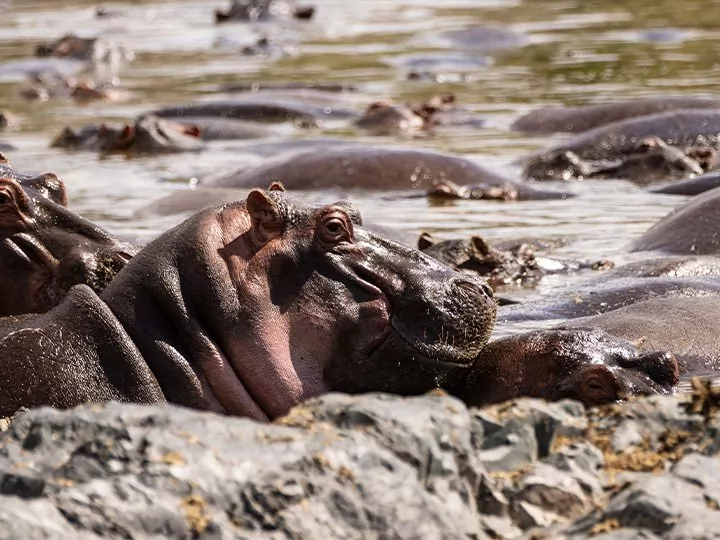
{"x":276,"y":186}
{"x":267,"y":220}
{"x":425,"y":241}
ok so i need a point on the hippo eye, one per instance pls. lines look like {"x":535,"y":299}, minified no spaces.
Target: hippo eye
{"x":335,"y":229}
{"x":4,"y":197}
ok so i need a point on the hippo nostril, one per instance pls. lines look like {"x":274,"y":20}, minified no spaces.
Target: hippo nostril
{"x":474,"y":287}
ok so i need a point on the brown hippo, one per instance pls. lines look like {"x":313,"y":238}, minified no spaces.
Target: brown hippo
{"x":582,"y":363}
{"x":587,"y":117}
{"x":249,"y":308}
{"x":94,"y":50}
{"x":45,"y":249}
{"x":691,"y":229}
{"x":649,"y":160}
{"x":386,"y":118}
{"x":147,"y":135}
{"x":55,"y":85}
{"x":515,"y":264}
{"x":262,"y":10}
{"x":612,"y":143}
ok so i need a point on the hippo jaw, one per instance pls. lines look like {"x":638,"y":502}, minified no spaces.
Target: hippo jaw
{"x":53,"y":251}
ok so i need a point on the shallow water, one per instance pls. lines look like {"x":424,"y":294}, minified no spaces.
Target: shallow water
{"x":571,"y":52}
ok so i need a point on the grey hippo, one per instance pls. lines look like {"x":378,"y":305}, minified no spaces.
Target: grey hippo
{"x":46,"y":249}
{"x":249,"y":308}
{"x":587,"y":117}
{"x":147,"y":135}
{"x":262,"y":10}
{"x":343,"y":166}
{"x":691,"y":131}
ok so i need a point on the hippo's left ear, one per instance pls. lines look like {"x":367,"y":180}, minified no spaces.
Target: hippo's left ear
{"x":267,"y":220}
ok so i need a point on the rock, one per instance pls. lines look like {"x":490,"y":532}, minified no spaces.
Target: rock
{"x":367,"y":466}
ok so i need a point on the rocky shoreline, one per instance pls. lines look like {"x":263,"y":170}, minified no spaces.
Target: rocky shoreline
{"x":371,"y":466}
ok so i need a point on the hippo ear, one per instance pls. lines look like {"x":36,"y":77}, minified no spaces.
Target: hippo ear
{"x":480,"y":245}
{"x":425,"y":241}
{"x":267,"y":221}
{"x":4,"y":158}
{"x":276,"y":186}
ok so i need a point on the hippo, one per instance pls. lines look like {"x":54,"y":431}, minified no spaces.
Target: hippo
{"x":95,"y":50}
{"x":614,"y":141}
{"x":648,"y":347}
{"x":262,"y":10}
{"x":368,"y":167}
{"x":515,"y":265}
{"x":261,"y":108}
{"x":346,"y":165}
{"x":647,"y":161}
{"x":582,"y":363}
{"x":690,"y":186}
{"x":147,"y":135}
{"x":248,"y":308}
{"x":55,"y":85}
{"x":689,"y":230}
{"x":579,"y":119}
{"x":387,"y":118}
{"x":259,"y":86}
{"x":45,"y":249}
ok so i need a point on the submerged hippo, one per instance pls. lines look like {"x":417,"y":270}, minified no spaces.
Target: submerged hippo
{"x":579,"y":119}
{"x":45,"y":86}
{"x":515,"y":264}
{"x":45,"y":249}
{"x":96,"y":50}
{"x":690,"y":130}
{"x":249,"y":308}
{"x":343,"y":166}
{"x":691,"y":186}
{"x":148,"y":135}
{"x":691,"y":229}
{"x":262,"y":10}
{"x":649,"y":160}
{"x":369,"y":167}
{"x":263,"y":107}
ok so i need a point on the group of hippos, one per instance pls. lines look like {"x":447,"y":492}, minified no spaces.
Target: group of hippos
{"x":258,"y":302}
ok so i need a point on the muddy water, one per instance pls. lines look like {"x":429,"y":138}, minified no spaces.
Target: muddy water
{"x":570,"y":52}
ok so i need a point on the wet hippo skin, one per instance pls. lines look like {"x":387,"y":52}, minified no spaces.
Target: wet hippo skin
{"x":579,"y":119}
{"x":581,"y":363}
{"x":691,"y":229}
{"x":612,"y":142}
{"x":45,"y":249}
{"x":249,"y":308}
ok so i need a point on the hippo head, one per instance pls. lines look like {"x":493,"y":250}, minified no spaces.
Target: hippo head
{"x":652,"y":160}
{"x":585,"y":364}
{"x":149,"y":134}
{"x":385,"y":118}
{"x":45,"y":248}
{"x":475,"y":255}
{"x":558,"y":165}
{"x":447,"y":189}
{"x":267,"y":302}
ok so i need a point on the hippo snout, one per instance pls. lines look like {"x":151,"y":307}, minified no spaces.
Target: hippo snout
{"x":446,"y":319}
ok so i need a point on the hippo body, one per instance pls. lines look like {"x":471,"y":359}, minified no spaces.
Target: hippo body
{"x":369,"y":167}
{"x":613,"y":142}
{"x":249,"y":308}
{"x":603,"y":296}
{"x":585,"y":118}
{"x":262,"y":10}
{"x":45,"y":249}
{"x":260,"y":108}
{"x":147,"y":135}
{"x":690,"y":186}
{"x":225,"y":129}
{"x":691,"y":229}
